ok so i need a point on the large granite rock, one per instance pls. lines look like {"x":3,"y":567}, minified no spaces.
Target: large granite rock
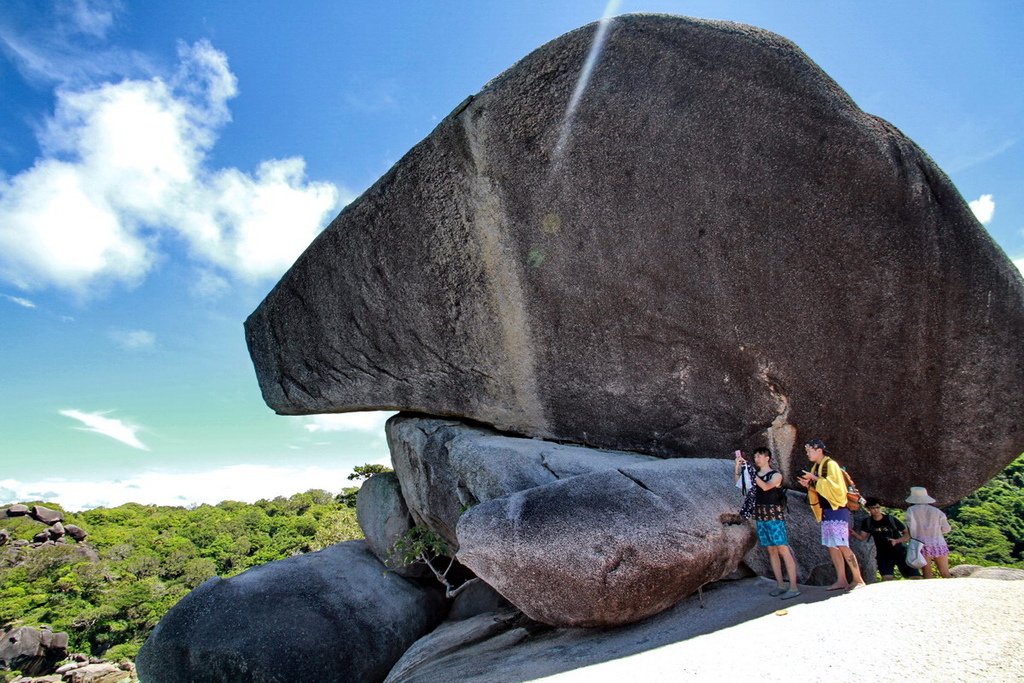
{"x":46,"y":515}
{"x":32,"y":651}
{"x":336,"y":614}
{"x":384,"y":518}
{"x":715,"y":244}
{"x":446,"y":467}
{"x":609,"y":547}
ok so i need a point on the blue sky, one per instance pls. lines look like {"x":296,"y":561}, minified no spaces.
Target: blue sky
{"x":161,"y":165}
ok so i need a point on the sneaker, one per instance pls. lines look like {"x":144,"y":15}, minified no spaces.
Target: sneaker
{"x":777,"y":592}
{"x":790,"y":594}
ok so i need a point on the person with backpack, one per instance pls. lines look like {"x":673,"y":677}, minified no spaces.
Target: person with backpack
{"x":770,"y":519}
{"x":889,"y":535}
{"x":827,"y":494}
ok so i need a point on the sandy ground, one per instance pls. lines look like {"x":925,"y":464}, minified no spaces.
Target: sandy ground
{"x":940,"y":630}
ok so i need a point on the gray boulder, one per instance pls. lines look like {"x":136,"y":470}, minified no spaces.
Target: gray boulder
{"x":446,"y":467}
{"x":974,"y":571}
{"x":716,"y":244}
{"x":46,"y":515}
{"x":336,"y":612}
{"x":99,"y":672}
{"x":813,"y":565}
{"x":384,"y":518}
{"x":610,"y":547}
{"x":33,"y":651}
{"x":16,"y":510}
{"x":5,"y":536}
{"x":476,"y":598}
{"x":76,"y":532}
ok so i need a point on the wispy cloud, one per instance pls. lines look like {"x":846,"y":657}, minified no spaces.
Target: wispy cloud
{"x":984,"y":207}
{"x":107,"y":426}
{"x":19,"y":300}
{"x":1020,"y":265}
{"x":208,"y":285}
{"x":981,"y":157}
{"x":69,"y":50}
{"x":133,"y":339}
{"x":124,"y":166}
{"x":92,"y":18}
{"x":370,"y":421}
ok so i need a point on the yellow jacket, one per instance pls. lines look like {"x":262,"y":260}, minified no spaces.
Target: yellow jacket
{"x":830,"y":485}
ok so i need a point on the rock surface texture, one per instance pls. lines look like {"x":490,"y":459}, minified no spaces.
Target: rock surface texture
{"x":336,"y":611}
{"x":715,"y":245}
{"x":447,"y":467}
{"x":610,"y":547}
{"x":384,"y":518}
{"x":32,"y":651}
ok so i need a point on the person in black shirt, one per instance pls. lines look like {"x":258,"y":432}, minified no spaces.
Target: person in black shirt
{"x":770,"y":519}
{"x":889,"y":535}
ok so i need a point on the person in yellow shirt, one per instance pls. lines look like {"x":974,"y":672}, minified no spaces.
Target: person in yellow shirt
{"x":826,"y":492}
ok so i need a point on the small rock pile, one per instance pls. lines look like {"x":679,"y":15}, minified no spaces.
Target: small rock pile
{"x":39,"y":652}
{"x":55,"y":533}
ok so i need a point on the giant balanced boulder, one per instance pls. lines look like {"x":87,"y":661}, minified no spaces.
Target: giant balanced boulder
{"x":710,"y":245}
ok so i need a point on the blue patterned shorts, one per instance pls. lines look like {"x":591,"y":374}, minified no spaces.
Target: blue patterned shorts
{"x":772,"y":532}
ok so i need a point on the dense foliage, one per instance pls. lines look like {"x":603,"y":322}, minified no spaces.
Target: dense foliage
{"x":149,"y":557}
{"x":988,"y":525}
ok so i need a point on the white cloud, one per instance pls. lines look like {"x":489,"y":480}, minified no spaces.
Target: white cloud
{"x":107,"y":426}
{"x":983,"y":207}
{"x":1020,"y":265}
{"x":133,"y":339}
{"x":369,"y":421}
{"x":124,"y":167}
{"x":19,"y":300}
{"x":246,"y":483}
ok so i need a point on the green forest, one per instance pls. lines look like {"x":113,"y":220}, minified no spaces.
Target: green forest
{"x":147,"y":557}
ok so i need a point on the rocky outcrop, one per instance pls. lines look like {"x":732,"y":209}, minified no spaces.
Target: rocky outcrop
{"x":446,"y":467}
{"x":46,"y":515}
{"x":32,"y":651}
{"x":16,"y":510}
{"x":384,"y":518}
{"x":973,"y":571}
{"x":76,"y":532}
{"x":716,"y":245}
{"x":335,"y":611}
{"x":610,"y":547}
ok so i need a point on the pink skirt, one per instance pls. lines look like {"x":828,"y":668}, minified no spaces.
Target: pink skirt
{"x":935,"y":547}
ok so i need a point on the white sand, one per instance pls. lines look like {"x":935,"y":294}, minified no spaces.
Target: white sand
{"x":944,"y":631}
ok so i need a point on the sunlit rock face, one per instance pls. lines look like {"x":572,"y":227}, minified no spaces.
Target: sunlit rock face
{"x":724,"y":250}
